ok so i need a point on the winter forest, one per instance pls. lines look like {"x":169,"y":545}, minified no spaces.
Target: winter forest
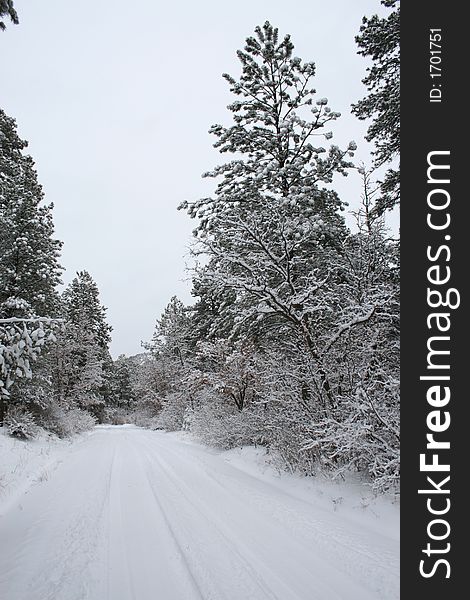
{"x":293,"y":338}
{"x":291,"y":343}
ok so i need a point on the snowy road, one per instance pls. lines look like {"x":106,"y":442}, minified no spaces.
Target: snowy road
{"x":131,"y":514}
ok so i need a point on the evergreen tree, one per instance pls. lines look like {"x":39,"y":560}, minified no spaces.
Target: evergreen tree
{"x":23,"y":337}
{"x":29,"y":255}
{"x":82,"y":363}
{"x":213,"y":315}
{"x":29,"y":267}
{"x":82,"y":306}
{"x":272,"y":227}
{"x":77,"y":366}
{"x":171,"y":336}
{"x":379,"y":39}
{"x":122,"y":389}
{"x":7,"y":9}
{"x":276,"y":121}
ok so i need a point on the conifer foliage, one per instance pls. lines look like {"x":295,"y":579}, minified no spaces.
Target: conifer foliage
{"x":81,"y":354}
{"x":29,"y":268}
{"x":379,"y":39}
{"x":7,"y":9}
{"x":29,"y":264}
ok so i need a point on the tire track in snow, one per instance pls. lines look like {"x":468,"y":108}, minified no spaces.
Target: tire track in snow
{"x":135,"y":515}
{"x":351,"y":554}
{"x":172,"y":579}
{"x":117,"y":549}
{"x":178,"y":547}
{"x":69,"y":550}
{"x":240,"y":552}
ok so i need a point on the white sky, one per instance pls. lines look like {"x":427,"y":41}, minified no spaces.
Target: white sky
{"x":116,"y":98}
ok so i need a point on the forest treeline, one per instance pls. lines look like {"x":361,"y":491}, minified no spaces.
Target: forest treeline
{"x":292,"y":341}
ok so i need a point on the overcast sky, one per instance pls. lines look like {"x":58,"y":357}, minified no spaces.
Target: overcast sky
{"x":116,"y":98}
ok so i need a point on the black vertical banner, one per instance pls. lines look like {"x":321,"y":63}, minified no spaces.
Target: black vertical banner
{"x":435,"y":254}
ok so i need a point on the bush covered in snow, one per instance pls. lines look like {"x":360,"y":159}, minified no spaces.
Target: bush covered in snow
{"x":223,"y":426}
{"x":65,"y":423}
{"x":172,"y":415}
{"x":20,"y":423}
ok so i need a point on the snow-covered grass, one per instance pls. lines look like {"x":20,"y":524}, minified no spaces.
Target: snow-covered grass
{"x":24,"y":463}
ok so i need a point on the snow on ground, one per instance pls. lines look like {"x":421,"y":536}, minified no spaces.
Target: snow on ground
{"x":130,"y":514}
{"x":26,"y":463}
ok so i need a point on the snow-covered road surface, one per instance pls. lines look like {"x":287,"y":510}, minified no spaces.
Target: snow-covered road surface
{"x":131,"y":514}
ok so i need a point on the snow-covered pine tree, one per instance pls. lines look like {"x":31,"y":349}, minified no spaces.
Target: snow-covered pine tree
{"x":29,"y":263}
{"x":23,"y":337}
{"x":213,"y":314}
{"x":29,"y":254}
{"x":122,"y":390}
{"x":271,"y":227}
{"x":81,"y":359}
{"x":81,"y":301}
{"x":172,"y":333}
{"x":171,"y":349}
{"x":7,"y":9}
{"x":379,"y":39}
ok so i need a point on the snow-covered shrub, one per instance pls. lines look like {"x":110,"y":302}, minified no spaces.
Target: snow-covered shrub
{"x":20,"y":423}
{"x":115,"y":416}
{"x":172,"y":415}
{"x":220,"y":424}
{"x":364,"y":436}
{"x":23,"y":337}
{"x":66,"y":423}
{"x":145,"y":410}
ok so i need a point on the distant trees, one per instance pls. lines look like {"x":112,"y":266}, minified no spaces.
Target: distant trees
{"x":379,"y":39}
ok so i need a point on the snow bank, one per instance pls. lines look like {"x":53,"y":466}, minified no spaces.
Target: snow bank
{"x":23,"y":463}
{"x":352,"y":498}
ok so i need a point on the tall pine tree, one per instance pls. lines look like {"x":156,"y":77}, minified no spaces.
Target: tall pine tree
{"x":29,"y":254}
{"x":81,"y":357}
{"x":29,"y":263}
{"x":272,"y":225}
{"x":379,"y":39}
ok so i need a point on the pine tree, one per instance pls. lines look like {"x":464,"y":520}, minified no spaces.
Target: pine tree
{"x":82,"y":305}
{"x":171,"y":336}
{"x":77,"y":366}
{"x":7,"y":9}
{"x":276,"y":121}
{"x":81,"y":359}
{"x":123,"y":392}
{"x":23,"y":337}
{"x":271,"y":228}
{"x":29,"y":265}
{"x":379,"y":39}
{"x":29,"y":255}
